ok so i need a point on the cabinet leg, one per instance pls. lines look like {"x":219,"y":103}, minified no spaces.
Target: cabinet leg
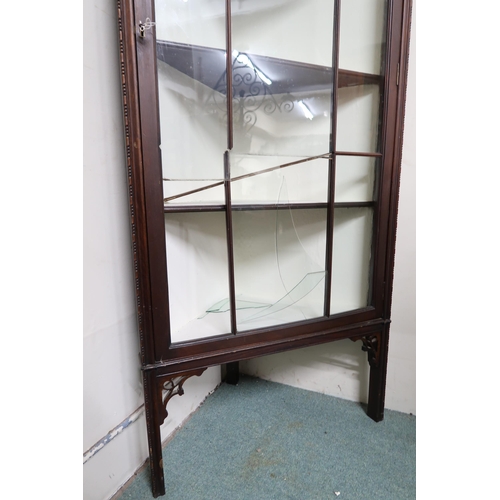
{"x":378,"y":378}
{"x":154,"y":437}
{"x":233,"y":373}
{"x":376,"y":346}
{"x":158,"y":390}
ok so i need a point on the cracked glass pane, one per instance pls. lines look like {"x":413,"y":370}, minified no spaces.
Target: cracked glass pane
{"x":279,"y":257}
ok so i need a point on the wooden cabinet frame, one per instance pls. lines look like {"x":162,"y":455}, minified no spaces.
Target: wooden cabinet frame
{"x":166,"y":366}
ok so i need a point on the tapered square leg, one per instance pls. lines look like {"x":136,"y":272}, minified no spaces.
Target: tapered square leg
{"x":233,"y":373}
{"x":158,"y":391}
{"x":378,"y":377}
{"x":154,"y":437}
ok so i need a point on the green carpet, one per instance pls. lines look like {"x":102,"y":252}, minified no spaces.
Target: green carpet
{"x":261,"y":440}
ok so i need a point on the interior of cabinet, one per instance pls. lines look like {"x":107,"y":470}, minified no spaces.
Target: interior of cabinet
{"x":285,"y":98}
{"x":197,"y":268}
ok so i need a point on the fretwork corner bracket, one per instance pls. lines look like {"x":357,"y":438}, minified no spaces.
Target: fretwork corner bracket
{"x":371,"y":345}
{"x":171,"y":386}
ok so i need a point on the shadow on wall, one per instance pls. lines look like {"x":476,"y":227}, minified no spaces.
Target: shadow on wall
{"x":338,"y":369}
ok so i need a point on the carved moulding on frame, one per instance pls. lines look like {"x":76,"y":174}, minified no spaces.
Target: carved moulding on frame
{"x":371,"y":345}
{"x":172,"y":386}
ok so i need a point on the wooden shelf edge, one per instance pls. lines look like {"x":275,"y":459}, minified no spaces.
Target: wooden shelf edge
{"x":208,"y":65}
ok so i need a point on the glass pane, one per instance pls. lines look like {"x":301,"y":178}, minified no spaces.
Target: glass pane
{"x":354,"y":178}
{"x":358,"y":118}
{"x":193,"y":193}
{"x":282,"y":75}
{"x":260,"y":179}
{"x":197,"y":269}
{"x":193,"y":117}
{"x":279,"y":265}
{"x":362,"y":35}
{"x":352,"y":239}
{"x":361,"y":53}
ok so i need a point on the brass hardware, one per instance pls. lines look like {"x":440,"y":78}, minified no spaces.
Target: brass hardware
{"x":143,"y":26}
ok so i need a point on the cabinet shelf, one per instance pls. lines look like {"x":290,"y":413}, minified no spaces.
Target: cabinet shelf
{"x":244,"y":207}
{"x":208,"y":66}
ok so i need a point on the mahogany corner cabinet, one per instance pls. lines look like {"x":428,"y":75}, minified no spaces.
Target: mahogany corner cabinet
{"x":263,"y":147}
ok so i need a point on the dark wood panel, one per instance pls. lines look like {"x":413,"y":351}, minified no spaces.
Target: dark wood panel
{"x":332,"y":163}
{"x":246,"y":207}
{"x":229,"y":239}
{"x":240,"y":347}
{"x":172,"y":209}
{"x":135,"y":179}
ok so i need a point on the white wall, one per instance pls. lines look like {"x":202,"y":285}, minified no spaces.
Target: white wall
{"x":112,"y":388}
{"x":111,"y":378}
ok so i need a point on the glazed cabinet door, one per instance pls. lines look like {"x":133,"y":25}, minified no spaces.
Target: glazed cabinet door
{"x":266,"y":136}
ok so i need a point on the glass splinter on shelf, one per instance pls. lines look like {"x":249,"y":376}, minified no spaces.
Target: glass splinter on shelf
{"x":298,"y":292}
{"x":296,"y":274}
{"x":305,"y":286}
{"x":223,"y":306}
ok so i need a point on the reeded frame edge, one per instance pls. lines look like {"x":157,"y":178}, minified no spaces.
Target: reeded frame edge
{"x":132,"y":137}
{"x":138,"y":225}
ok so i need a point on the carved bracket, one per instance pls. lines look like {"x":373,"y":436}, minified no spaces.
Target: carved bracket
{"x":371,"y":345}
{"x":173,"y":386}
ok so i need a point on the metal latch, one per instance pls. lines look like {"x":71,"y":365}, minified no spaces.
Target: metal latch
{"x":143,"y":26}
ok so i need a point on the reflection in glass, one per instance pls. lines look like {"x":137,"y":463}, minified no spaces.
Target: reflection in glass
{"x":191,"y":58}
{"x":282,"y":75}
